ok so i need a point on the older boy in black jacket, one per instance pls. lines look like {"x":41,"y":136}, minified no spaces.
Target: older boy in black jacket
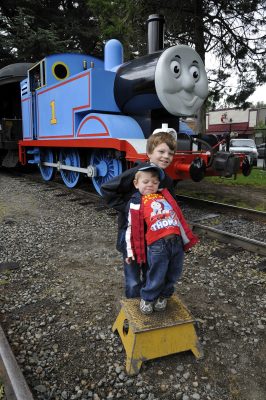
{"x":161,"y":147}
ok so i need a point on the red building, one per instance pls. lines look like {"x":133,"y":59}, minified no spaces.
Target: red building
{"x":237,"y":122}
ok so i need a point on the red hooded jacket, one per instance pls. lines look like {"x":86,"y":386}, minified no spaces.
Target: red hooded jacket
{"x":135,"y":233}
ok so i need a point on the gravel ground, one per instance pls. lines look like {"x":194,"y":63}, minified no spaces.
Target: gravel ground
{"x":61,"y":280}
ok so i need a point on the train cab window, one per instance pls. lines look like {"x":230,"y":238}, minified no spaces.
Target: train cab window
{"x":60,"y":70}
{"x":37,"y":76}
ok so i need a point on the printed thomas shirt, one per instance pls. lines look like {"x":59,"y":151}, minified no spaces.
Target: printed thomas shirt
{"x":160,"y":218}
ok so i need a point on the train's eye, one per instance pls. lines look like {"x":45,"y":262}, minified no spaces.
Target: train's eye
{"x":194,"y":70}
{"x":175,"y":68}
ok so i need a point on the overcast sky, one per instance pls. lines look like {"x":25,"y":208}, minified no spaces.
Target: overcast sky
{"x":258,"y":95}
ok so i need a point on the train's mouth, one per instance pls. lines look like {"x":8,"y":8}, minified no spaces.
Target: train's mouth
{"x":189,"y":101}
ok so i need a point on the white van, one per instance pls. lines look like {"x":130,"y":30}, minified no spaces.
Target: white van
{"x":245,"y":146}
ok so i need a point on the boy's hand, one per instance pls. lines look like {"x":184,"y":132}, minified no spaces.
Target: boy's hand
{"x":129,"y":259}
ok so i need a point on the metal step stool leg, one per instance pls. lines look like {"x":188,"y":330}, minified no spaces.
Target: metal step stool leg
{"x":128,"y":337}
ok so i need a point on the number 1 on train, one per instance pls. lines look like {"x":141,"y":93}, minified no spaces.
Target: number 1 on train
{"x":53,"y":120}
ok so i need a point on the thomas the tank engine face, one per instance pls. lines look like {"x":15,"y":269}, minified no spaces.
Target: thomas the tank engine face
{"x":181,"y":80}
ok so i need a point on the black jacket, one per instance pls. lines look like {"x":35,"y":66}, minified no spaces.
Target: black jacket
{"x":118,"y":191}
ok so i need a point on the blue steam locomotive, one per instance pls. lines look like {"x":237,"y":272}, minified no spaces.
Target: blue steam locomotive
{"x":86,"y":116}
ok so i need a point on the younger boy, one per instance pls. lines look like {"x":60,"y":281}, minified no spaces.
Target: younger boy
{"x":161,"y":147}
{"x":156,"y":221}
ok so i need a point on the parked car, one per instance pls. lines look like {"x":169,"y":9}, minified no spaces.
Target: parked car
{"x":261,"y":150}
{"x":245,"y":146}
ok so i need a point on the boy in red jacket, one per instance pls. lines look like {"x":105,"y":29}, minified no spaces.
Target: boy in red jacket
{"x":156,"y":227}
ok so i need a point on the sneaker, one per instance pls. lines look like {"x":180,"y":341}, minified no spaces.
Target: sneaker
{"x":160,"y":304}
{"x":146,"y":307}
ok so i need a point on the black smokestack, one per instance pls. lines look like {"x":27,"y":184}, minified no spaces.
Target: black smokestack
{"x":155,"y":32}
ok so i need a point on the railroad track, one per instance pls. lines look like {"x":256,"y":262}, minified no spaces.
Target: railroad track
{"x":12,"y":382}
{"x":246,"y":243}
{"x":85,"y":197}
{"x":246,"y":212}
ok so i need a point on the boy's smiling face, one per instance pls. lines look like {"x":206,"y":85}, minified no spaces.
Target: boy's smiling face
{"x":162,"y":156}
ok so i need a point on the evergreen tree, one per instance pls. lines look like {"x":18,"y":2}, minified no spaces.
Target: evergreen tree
{"x":32,"y":29}
{"x":231,"y":30}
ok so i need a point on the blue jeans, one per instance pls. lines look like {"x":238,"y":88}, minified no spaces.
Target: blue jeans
{"x":165,"y":265}
{"x":135,"y":276}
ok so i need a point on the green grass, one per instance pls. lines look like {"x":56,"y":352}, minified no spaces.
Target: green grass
{"x":257,"y":178}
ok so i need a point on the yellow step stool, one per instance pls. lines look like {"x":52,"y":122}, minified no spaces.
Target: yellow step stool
{"x":145,"y":337}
